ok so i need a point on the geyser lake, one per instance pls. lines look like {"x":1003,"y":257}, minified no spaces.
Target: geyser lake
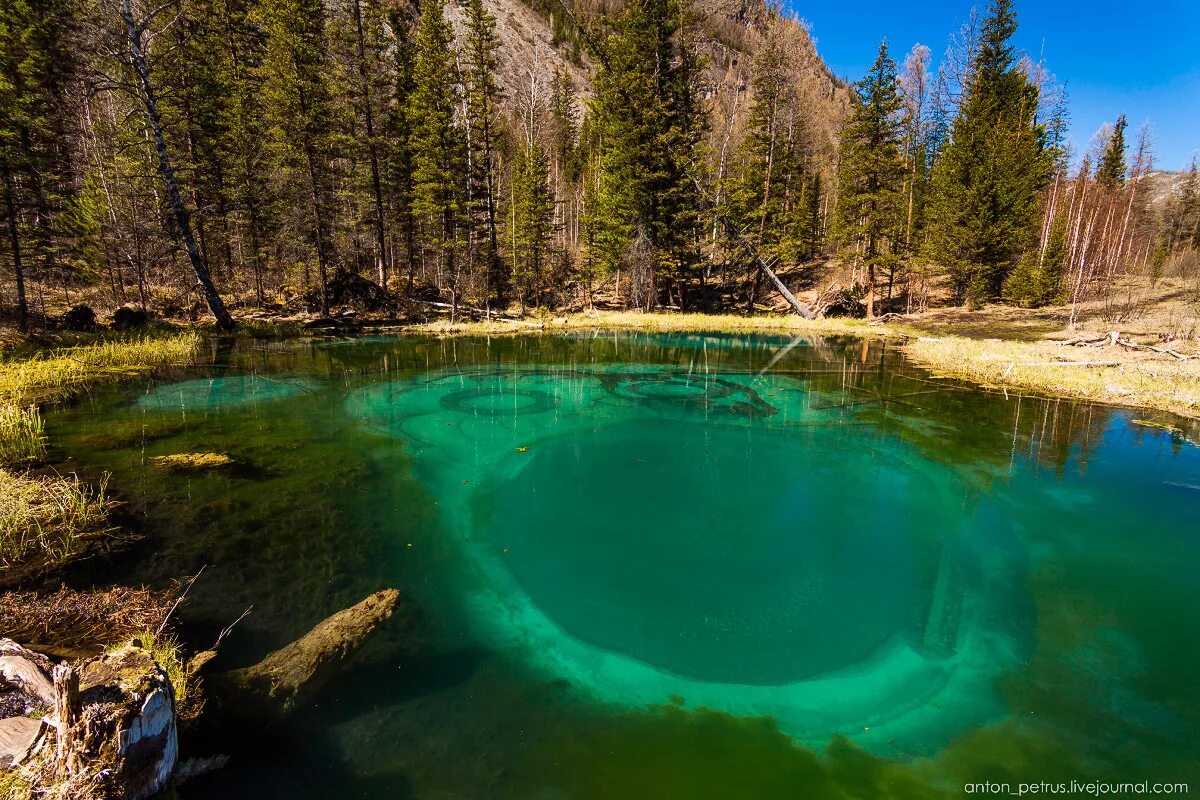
{"x":685,"y":566}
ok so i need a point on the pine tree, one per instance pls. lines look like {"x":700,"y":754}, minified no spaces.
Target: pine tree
{"x":299,"y":106}
{"x":871,"y":203}
{"x":482,"y":97}
{"x":1110,"y":172}
{"x":984,"y":206}
{"x":649,"y":121}
{"x":438,"y":145}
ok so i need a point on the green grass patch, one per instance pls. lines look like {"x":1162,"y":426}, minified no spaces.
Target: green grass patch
{"x":167,"y":653}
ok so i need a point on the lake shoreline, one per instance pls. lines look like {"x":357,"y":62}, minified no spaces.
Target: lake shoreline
{"x":1050,"y":366}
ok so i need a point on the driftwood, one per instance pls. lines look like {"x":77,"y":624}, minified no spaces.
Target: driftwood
{"x":484,"y":314}
{"x":25,"y":671}
{"x":288,"y":676}
{"x":19,"y":739}
{"x":1114,"y":339}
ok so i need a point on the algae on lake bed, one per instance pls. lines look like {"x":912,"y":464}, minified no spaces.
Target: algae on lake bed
{"x":645,"y":565}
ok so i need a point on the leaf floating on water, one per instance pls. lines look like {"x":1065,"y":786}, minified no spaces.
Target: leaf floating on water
{"x":522,"y":449}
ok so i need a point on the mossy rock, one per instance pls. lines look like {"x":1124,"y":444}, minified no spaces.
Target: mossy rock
{"x":193,"y":462}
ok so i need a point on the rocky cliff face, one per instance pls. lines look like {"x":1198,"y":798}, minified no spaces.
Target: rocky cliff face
{"x":537,"y":37}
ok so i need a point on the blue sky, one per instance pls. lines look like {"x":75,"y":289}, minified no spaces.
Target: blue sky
{"x":1140,"y":58}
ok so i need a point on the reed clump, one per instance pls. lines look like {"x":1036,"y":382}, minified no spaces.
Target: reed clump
{"x":46,"y":521}
{"x":22,"y":436}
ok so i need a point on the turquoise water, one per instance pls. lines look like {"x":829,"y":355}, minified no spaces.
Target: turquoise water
{"x":672,"y":566}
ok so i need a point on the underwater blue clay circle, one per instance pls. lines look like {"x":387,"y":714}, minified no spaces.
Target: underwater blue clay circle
{"x":492,"y":401}
{"x":719,"y":553}
{"x":226,"y":390}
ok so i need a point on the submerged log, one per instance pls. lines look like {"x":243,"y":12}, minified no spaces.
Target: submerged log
{"x":291,"y":674}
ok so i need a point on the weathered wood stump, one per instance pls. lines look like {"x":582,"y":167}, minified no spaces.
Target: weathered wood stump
{"x":113,"y":721}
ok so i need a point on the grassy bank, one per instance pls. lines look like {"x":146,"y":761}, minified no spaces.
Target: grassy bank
{"x":659,"y":322}
{"x":49,"y":520}
{"x":1112,"y":375}
{"x":28,"y":379}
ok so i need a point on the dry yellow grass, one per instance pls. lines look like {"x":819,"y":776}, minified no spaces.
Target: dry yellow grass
{"x":1098,"y":374}
{"x":658,"y":322}
{"x":58,"y":374}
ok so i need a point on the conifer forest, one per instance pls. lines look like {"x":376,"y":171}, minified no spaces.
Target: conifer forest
{"x":197,"y":155}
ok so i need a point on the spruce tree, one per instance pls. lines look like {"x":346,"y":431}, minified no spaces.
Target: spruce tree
{"x":1110,"y":172}
{"x":399,"y":158}
{"x":482,"y":132}
{"x":36,"y":61}
{"x":649,"y":122}
{"x":533,"y":208}
{"x":253,"y":206}
{"x":439,"y":146}
{"x":197,"y":86}
{"x":360,"y":32}
{"x":984,"y":206}
{"x":1037,"y":279}
{"x":300,"y":108}
{"x":870,"y":209}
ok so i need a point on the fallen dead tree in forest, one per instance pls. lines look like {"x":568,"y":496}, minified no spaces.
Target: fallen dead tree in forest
{"x":1114,"y":339}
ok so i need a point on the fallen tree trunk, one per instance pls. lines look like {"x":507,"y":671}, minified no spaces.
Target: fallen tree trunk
{"x":293,"y":673}
{"x":1113,"y":339}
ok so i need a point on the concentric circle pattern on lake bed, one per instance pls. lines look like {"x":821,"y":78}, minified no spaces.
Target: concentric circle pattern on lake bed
{"x":650,"y":533}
